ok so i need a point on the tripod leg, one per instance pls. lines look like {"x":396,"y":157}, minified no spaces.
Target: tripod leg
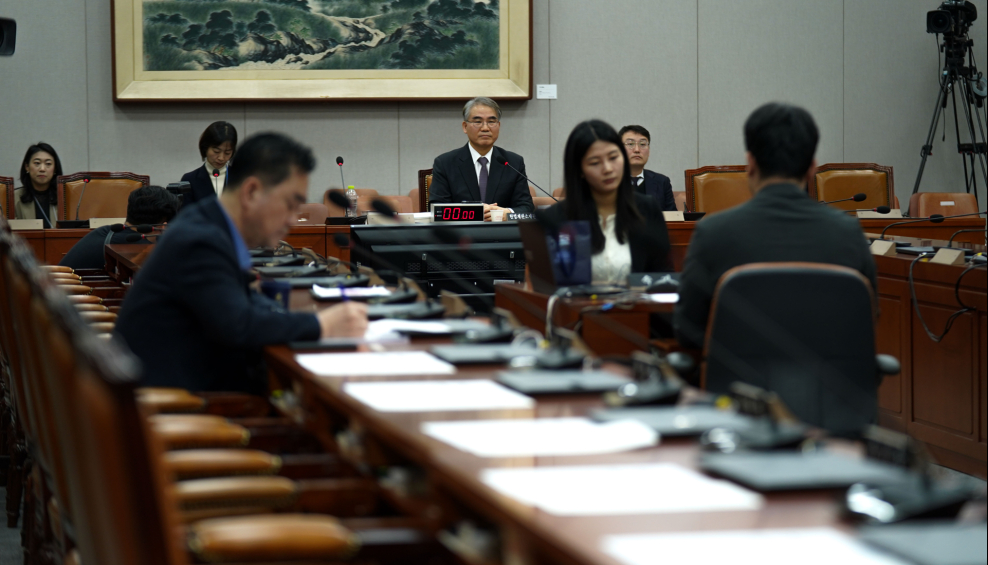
{"x":977,"y":154}
{"x":957,"y":131}
{"x":928,"y":146}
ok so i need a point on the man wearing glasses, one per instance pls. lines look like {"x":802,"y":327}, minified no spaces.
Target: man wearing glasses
{"x":636,"y":143}
{"x":477,"y":172}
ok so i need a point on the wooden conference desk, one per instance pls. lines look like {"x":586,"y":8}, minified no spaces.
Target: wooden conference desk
{"x":51,"y":245}
{"x":941,"y":395}
{"x":453,"y":489}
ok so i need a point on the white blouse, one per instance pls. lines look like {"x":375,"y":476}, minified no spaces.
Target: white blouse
{"x":218,"y":182}
{"x":613,"y":264}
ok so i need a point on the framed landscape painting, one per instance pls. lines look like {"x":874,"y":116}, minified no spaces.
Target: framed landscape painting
{"x":295,"y":50}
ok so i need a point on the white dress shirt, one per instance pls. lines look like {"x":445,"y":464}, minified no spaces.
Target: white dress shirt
{"x":613,"y":264}
{"x":218,"y":182}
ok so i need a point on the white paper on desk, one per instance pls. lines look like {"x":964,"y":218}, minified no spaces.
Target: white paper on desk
{"x":600,"y":490}
{"x":664,"y":297}
{"x":436,"y":396}
{"x":542,"y":437}
{"x":394,"y":363}
{"x":355,"y":292}
{"x":805,"y":546}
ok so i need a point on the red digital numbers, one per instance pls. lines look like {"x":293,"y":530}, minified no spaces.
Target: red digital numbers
{"x":456,"y":213}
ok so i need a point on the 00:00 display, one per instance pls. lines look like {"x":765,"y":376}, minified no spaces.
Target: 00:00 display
{"x":453,"y":213}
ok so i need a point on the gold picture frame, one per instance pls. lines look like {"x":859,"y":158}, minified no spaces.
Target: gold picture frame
{"x":507,"y":78}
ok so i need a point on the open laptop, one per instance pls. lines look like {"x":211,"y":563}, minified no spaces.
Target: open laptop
{"x":539,"y":259}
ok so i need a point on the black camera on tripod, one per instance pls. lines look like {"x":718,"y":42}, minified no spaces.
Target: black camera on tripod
{"x":952,"y":19}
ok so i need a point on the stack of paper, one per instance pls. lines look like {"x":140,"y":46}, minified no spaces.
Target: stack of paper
{"x":549,"y":436}
{"x":395,"y":363}
{"x":620,"y":489}
{"x":436,"y":396}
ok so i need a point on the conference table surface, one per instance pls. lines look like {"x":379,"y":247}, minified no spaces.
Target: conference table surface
{"x":528,"y":533}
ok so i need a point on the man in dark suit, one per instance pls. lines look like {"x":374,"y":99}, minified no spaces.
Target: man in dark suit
{"x":476,"y":172}
{"x":191,"y":315}
{"x":780,"y":222}
{"x":637,"y":144}
{"x":148,"y":206}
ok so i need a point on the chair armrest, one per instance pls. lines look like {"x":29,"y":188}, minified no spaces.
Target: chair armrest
{"x":169,"y":400}
{"x":202,"y":463}
{"x":198,"y":430}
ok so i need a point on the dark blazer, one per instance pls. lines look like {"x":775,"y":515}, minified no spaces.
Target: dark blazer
{"x":454,"y":179}
{"x":658,"y":187}
{"x":781,"y":223}
{"x":192,"y":319}
{"x":202,"y":186}
{"x":649,"y":241}
{"x":88,"y":252}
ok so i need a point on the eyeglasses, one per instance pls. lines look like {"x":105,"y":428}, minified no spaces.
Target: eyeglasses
{"x":492,"y":123}
{"x":631,"y":144}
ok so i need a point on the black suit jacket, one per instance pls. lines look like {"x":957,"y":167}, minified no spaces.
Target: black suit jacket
{"x":88,"y":253}
{"x":454,"y":179}
{"x":781,"y":223}
{"x":658,"y":187}
{"x":202,"y":186}
{"x":191,"y":318}
{"x":649,"y":241}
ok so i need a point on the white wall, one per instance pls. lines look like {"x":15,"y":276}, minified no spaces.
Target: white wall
{"x":689,"y":70}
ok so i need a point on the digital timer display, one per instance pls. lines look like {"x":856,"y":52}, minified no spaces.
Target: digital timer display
{"x":458,"y":212}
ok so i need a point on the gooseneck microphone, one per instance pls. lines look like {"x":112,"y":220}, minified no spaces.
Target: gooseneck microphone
{"x":216,"y":173}
{"x":339,"y":161}
{"x":85,"y":185}
{"x":507,"y":164}
{"x":934,"y":218}
{"x":339,"y":198}
{"x":880,"y":210}
{"x":859,"y":197}
{"x":950,"y":242}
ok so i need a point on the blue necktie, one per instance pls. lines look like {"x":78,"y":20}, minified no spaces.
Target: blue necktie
{"x":483,"y":178}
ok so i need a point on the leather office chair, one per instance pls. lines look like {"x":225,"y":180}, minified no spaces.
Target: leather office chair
{"x":400,"y":204}
{"x":425,"y":180}
{"x":804,"y":331}
{"x":7,"y":197}
{"x":713,"y":189}
{"x":541,"y":201}
{"x":559,"y":193}
{"x":103,"y":196}
{"x":923,"y":204}
{"x":312,"y":213}
{"x":413,"y":194}
{"x":680,"y":198}
{"x":835,"y":181}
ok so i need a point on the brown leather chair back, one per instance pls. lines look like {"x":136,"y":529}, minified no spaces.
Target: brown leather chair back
{"x":680,"y":198}
{"x":835,"y":181}
{"x":333,"y":210}
{"x":400,"y":204}
{"x":540,"y":201}
{"x":923,"y":204}
{"x":312,"y":213}
{"x":425,"y":180}
{"x":559,"y":192}
{"x":414,"y":195}
{"x":104,"y":197}
{"x":712,"y":189}
{"x":7,"y":197}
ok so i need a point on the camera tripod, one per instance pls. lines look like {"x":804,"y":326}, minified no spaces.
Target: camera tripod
{"x":955,"y":76}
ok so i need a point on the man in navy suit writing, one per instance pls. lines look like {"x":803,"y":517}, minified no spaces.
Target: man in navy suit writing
{"x":191,"y":315}
{"x":477,"y":171}
{"x":637,"y":144}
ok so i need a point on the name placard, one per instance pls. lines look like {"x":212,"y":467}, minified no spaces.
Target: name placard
{"x":520,"y":216}
{"x":882,"y":247}
{"x":26,"y":224}
{"x":870,"y":215}
{"x":947,"y":256}
{"x":100,"y":222}
{"x":674,"y":216}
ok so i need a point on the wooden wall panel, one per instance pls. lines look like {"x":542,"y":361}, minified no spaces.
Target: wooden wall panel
{"x":943,"y":372}
{"x":983,"y":388}
{"x":887,"y":341}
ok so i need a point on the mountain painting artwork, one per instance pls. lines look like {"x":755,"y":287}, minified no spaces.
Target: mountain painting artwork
{"x":259,"y":50}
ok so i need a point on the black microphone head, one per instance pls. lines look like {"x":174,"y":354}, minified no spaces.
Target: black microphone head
{"x":339,"y":161}
{"x":216,"y":172}
{"x":143,"y":228}
{"x":117,"y":228}
{"x":337,"y":197}
{"x":936,"y":218}
{"x":860,"y":197}
{"x":341,"y":240}
{"x":883,"y":209}
{"x":86,"y":178}
{"x":133,"y":238}
{"x":382,"y":207}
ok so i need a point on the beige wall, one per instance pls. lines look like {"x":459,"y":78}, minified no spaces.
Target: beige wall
{"x":689,"y":70}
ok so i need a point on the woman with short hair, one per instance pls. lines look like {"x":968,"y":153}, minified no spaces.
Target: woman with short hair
{"x":216,"y":147}
{"x":37,"y":197}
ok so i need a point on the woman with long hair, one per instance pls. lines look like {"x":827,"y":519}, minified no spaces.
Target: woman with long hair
{"x":627,"y":230}
{"x":37,"y":197}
